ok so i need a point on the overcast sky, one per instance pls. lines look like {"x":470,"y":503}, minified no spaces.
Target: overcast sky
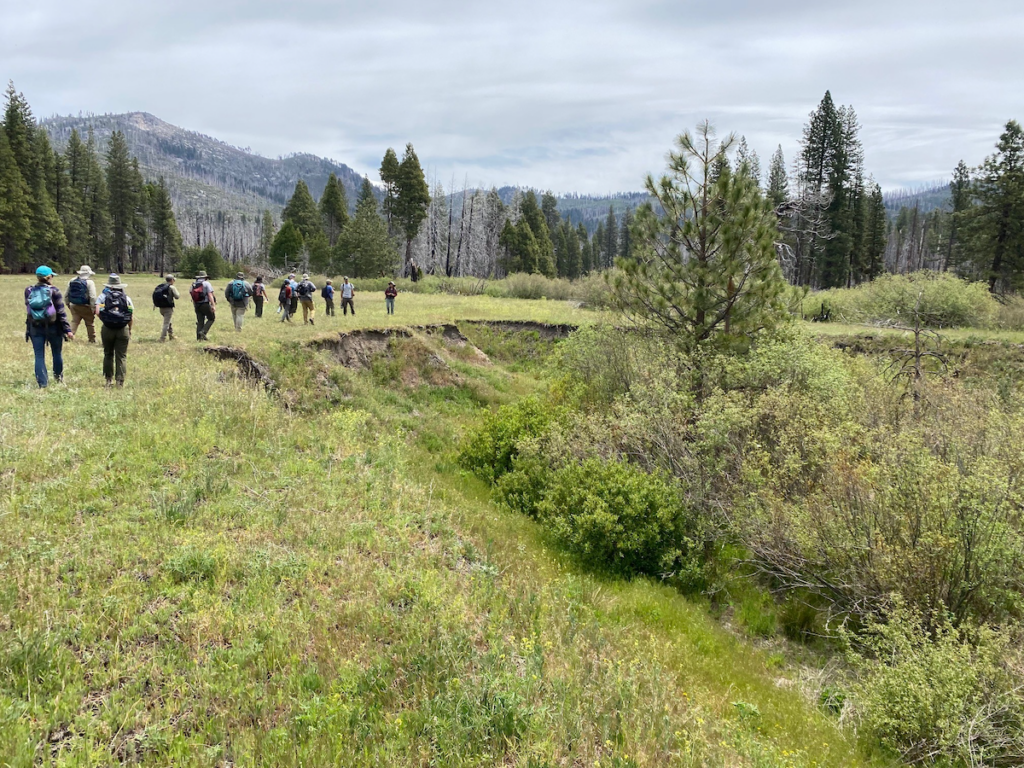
{"x":580,"y":96}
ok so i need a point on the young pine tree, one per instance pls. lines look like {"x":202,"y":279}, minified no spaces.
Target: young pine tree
{"x":333,"y":210}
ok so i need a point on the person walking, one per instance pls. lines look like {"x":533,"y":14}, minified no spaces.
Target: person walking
{"x":164,"y":296}
{"x":285,"y":299}
{"x":348,"y":292}
{"x":237,"y":293}
{"x":259,"y":295}
{"x":293,"y":302}
{"x":116,"y":312}
{"x":306,"y":291}
{"x":205,"y":303}
{"x":328,"y":296}
{"x":46,"y":322}
{"x":81,"y":300}
{"x":389,"y":297}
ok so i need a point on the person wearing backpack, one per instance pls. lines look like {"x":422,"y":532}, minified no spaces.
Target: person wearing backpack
{"x":237,"y":293}
{"x":46,"y":322}
{"x":389,"y":297}
{"x":81,"y":301}
{"x":164,"y":296}
{"x":116,"y":312}
{"x":259,"y":295}
{"x":306,"y":291}
{"x":284,"y":297}
{"x":205,"y":303}
{"x":328,"y":294}
{"x":293,"y":305}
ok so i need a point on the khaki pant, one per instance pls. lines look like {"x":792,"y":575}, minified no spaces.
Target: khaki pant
{"x":307,"y":311}
{"x":238,"y":315}
{"x":83,"y":313}
{"x":168,"y":330}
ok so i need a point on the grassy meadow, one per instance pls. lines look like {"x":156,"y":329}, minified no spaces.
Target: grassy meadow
{"x":196,"y":573}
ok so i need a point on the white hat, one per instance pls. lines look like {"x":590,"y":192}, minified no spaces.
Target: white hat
{"x":85,"y":271}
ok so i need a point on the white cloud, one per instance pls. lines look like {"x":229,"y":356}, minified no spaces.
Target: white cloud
{"x":580,"y":96}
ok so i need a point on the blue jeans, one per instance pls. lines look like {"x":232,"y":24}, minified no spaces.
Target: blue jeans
{"x":389,"y":304}
{"x":53,"y":334}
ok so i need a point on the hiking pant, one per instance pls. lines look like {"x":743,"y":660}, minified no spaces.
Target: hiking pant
{"x":286,"y":311}
{"x":204,"y":319}
{"x":238,"y":315}
{"x":329,"y":307}
{"x":389,"y":304}
{"x":347,"y":304}
{"x":40,"y":337}
{"x":308,"y":309}
{"x":168,"y":330}
{"x":83,"y":313}
{"x":115,"y":352}
{"x":258,"y":301}
{"x":293,"y":306}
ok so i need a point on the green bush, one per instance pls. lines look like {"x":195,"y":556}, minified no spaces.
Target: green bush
{"x":207,"y":259}
{"x":942,"y":300}
{"x":939,"y":695}
{"x":490,"y":451}
{"x":522,"y":490}
{"x":523,"y":286}
{"x":620,"y":518}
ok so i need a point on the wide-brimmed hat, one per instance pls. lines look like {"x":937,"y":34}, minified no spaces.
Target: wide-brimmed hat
{"x":239,"y":275}
{"x":305,"y":276}
{"x":200,"y":275}
{"x":114,"y":282}
{"x":391,"y":282}
{"x":170,"y":278}
{"x":85,"y":271}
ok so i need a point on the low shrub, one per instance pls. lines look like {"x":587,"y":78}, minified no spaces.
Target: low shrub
{"x":941,"y":299}
{"x":620,"y":518}
{"x":490,"y":451}
{"x":943,"y":695}
{"x":523,"y":286}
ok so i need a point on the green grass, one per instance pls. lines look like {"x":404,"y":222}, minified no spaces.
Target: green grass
{"x":194,"y":574}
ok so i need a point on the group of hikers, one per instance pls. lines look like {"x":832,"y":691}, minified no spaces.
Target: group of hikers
{"x":50,"y":321}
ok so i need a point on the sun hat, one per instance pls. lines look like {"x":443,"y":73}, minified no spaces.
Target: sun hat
{"x":85,"y":271}
{"x":305,"y":276}
{"x":114,"y":282}
{"x":329,"y":282}
{"x":43,"y":271}
{"x":391,"y":282}
{"x":170,"y":278}
{"x":239,"y":275}
{"x":201,"y":275}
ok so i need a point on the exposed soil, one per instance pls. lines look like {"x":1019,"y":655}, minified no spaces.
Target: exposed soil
{"x":544,"y":330}
{"x":355,"y":349}
{"x":249,"y":367}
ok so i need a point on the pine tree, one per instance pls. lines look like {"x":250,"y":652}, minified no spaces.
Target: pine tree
{"x":287,"y":249}
{"x":960,"y":199}
{"x":572,"y":263}
{"x":413,"y":197}
{"x":123,"y":206}
{"x":138,"y":232}
{"x":267,"y":232}
{"x":544,"y":259}
{"x":166,"y":235}
{"x":333,"y":210}
{"x":87,"y":176}
{"x":301,"y":211}
{"x":626,"y":236}
{"x":549,"y":206}
{"x":707,"y":266}
{"x":778,"y":180}
{"x":998,"y":217}
{"x":876,"y":233}
{"x":610,"y":247}
{"x":390,"y":170}
{"x":586,"y":250}
{"x":747,"y":162}
{"x":365,"y":247}
{"x":15,"y":211}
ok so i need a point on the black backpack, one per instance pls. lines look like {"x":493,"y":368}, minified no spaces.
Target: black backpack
{"x":283,"y":295}
{"x":78,"y":292}
{"x":115,"y":313}
{"x":305,"y":289}
{"x":162,"y":296}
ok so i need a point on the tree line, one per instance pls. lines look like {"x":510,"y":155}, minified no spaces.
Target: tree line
{"x":76,"y":207}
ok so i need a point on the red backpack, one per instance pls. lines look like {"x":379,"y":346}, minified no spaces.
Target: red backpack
{"x":198,"y":293}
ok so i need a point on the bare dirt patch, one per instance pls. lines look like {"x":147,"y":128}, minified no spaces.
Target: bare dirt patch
{"x":249,"y":367}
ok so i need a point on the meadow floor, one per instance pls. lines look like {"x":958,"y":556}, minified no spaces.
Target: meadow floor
{"x":194,"y":572}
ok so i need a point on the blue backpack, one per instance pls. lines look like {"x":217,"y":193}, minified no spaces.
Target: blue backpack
{"x":236,"y":291}
{"x":40,"y":305}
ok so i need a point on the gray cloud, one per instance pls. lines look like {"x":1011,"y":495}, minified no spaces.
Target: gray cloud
{"x":583,"y":96}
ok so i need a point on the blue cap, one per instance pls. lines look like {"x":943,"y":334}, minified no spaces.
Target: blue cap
{"x":44,"y":271}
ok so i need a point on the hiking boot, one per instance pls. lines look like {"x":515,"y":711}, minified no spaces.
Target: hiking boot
{"x":109,"y":384}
